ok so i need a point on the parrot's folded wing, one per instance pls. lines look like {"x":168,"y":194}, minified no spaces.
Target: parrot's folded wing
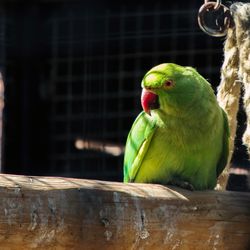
{"x":224,"y":155}
{"x":137,"y":144}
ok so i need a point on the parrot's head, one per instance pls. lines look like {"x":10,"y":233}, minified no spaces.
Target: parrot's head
{"x":170,"y":88}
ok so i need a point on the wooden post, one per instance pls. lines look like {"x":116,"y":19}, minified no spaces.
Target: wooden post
{"x":62,"y":213}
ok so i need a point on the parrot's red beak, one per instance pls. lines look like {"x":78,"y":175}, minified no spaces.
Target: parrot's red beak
{"x":149,"y":101}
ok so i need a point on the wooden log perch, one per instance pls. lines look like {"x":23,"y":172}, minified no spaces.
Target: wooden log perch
{"x":63,"y":213}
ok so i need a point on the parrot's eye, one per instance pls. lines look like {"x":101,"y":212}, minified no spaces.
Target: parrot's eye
{"x":168,"y":84}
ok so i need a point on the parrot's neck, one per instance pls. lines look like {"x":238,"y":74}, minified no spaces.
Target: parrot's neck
{"x":186,"y":116}
{"x":163,"y":118}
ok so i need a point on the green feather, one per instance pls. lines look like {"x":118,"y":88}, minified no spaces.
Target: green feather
{"x":224,"y":155}
{"x":137,"y":143}
{"x":186,"y":139}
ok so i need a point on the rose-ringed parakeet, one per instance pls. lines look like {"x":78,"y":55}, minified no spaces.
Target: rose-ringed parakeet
{"x":182,"y":135}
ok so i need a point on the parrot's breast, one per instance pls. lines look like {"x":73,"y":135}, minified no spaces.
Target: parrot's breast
{"x":188,"y":150}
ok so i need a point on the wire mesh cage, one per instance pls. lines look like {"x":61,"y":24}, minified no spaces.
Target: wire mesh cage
{"x":97,"y":63}
{"x":74,"y":70}
{"x":4,"y":47}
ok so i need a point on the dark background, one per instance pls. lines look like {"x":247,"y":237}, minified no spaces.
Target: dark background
{"x":72,"y":70}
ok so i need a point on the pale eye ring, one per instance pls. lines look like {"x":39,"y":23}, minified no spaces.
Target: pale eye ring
{"x":168,"y":84}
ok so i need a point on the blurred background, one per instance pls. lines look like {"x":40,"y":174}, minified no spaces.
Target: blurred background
{"x":72,"y":72}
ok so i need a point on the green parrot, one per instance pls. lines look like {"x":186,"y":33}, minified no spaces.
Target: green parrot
{"x":181,"y":137}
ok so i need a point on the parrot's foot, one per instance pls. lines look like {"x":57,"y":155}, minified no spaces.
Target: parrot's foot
{"x":182,"y":184}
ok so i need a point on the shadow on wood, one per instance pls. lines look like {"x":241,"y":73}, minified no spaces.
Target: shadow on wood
{"x":64,"y":213}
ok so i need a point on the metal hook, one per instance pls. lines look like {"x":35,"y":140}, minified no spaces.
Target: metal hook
{"x":217,"y":6}
{"x":221,"y":11}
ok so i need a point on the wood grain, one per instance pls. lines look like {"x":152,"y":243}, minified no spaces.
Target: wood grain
{"x":64,"y":213}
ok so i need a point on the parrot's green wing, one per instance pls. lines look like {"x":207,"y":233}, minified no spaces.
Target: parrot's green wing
{"x":224,"y":155}
{"x":137,"y":144}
